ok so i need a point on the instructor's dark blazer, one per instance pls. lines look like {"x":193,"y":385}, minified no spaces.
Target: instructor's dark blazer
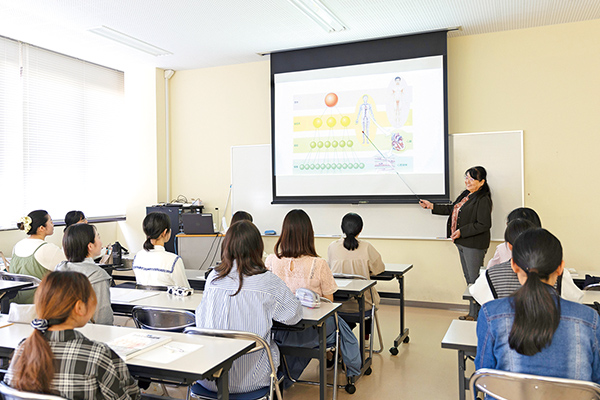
{"x":474,"y":219}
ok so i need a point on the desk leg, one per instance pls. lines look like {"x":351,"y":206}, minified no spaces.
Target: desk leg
{"x":223,"y":385}
{"x":403,"y":336}
{"x":461,"y":375}
{"x":4,"y":303}
{"x":361,"y":330}
{"x":322,"y":330}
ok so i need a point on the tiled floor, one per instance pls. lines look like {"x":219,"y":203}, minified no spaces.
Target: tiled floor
{"x":421,"y":370}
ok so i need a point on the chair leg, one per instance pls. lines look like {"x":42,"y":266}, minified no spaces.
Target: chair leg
{"x":379,"y":337}
{"x":336,"y":356}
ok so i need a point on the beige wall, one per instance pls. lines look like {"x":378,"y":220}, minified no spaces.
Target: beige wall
{"x":541,"y":80}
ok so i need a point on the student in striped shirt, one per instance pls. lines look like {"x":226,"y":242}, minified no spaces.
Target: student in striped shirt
{"x":242,"y":295}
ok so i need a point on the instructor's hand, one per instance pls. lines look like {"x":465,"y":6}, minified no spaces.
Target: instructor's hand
{"x":426,"y":204}
{"x":455,"y":235}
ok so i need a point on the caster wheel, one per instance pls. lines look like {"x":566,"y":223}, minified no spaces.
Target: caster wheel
{"x":368,"y":371}
{"x":394,"y":351}
{"x":406,"y":339}
{"x":350,"y":388}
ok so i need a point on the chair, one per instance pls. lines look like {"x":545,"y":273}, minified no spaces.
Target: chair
{"x":13,"y":394}
{"x":504,"y":385}
{"x":24,"y":295}
{"x":594,"y":287}
{"x":353,"y":317}
{"x":162,"y":319}
{"x":151,"y":287}
{"x":261,"y":345}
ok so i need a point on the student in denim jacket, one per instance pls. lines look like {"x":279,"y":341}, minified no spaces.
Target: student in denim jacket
{"x":535,"y":331}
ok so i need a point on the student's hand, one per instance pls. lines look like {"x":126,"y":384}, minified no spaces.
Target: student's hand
{"x":455,"y":235}
{"x":426,"y":204}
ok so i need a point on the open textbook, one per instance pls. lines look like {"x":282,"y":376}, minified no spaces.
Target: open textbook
{"x":136,"y":343}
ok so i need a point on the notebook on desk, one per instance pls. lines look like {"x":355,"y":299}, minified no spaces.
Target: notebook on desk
{"x":198,"y":224}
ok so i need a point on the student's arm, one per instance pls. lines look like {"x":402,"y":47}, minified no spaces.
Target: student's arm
{"x":376,"y":265}
{"x":483,"y":219}
{"x":480,"y":290}
{"x":570,"y":291}
{"x":596,"y":351}
{"x":179,"y":276}
{"x":485,"y":342}
{"x":496,"y":259}
{"x":288,"y":309}
{"x":104,"y":313}
{"x":114,"y":379}
{"x":328,"y":285}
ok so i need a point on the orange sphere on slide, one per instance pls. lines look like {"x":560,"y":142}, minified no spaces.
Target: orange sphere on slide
{"x":331,"y":99}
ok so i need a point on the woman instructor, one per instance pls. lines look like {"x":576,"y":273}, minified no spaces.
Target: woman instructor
{"x":469,"y":223}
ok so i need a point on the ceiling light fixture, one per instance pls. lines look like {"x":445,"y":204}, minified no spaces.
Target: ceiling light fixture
{"x":130,"y":41}
{"x":319,"y":13}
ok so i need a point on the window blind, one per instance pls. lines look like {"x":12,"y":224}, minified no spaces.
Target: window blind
{"x":61,"y":119}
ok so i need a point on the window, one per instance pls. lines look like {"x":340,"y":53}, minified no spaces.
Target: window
{"x":60,"y":123}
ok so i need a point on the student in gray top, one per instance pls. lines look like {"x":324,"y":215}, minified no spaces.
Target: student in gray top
{"x":81,"y":244}
{"x":501,"y":281}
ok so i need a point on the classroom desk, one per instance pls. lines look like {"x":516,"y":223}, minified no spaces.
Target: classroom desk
{"x":314,"y":317}
{"x":579,"y":276}
{"x":589,"y":297}
{"x":397,"y":271}
{"x":123,"y":300}
{"x":212,"y":361}
{"x":8,"y":290}
{"x":356,"y":288}
{"x":462,"y":336}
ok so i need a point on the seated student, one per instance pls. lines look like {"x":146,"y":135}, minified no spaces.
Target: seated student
{"x":240,"y":294}
{"x":297,"y":263}
{"x":241,"y":216}
{"x":502,"y":253}
{"x":154,"y":266}
{"x":57,"y":359}
{"x":81,"y":244}
{"x":500,"y":281}
{"x":535,"y":331}
{"x":34,"y":256}
{"x":75,"y":217}
{"x":356,"y":257}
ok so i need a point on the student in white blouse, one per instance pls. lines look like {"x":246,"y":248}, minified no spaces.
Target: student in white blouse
{"x":154,"y":266}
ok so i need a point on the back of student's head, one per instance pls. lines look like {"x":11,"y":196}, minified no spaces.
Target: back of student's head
{"x":154,"y":225}
{"x":241,"y":216}
{"x":37,"y":219}
{"x":55,"y":300}
{"x":537,"y":311}
{"x":352,"y":225}
{"x":74,"y":217}
{"x":76,"y":240}
{"x":243,"y":244}
{"x":297,"y":236}
{"x":515,"y":228}
{"x":525,"y":213}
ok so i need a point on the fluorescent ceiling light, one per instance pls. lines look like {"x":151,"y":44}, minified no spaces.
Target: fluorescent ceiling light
{"x":130,"y":41}
{"x":320,"y":14}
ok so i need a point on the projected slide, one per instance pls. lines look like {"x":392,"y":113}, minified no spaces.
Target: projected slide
{"x":371,"y":129}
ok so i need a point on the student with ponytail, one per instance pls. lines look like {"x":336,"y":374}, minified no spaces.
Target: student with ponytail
{"x":535,"y":331}
{"x":154,"y":266}
{"x":350,"y":255}
{"x":57,"y":359}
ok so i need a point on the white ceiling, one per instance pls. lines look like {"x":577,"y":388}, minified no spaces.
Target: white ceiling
{"x":207,"y":33}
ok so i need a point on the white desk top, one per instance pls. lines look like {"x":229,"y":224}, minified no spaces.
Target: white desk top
{"x":13,"y":285}
{"x":195,"y":274}
{"x":461,"y":335}
{"x":590,"y":296}
{"x":214,"y":351}
{"x":356,"y":286}
{"x":397,"y":268}
{"x":155,"y":299}
{"x":580,"y":273}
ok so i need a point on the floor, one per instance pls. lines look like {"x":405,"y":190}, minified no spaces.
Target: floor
{"x":421,"y":370}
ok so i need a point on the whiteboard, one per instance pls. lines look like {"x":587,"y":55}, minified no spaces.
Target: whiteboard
{"x":501,"y":153}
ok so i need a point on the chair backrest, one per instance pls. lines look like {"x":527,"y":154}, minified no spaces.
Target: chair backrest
{"x":150,"y":287}
{"x":13,"y":394}
{"x":593,"y":287}
{"x":504,"y":385}
{"x":261,"y":344}
{"x":162,"y":319}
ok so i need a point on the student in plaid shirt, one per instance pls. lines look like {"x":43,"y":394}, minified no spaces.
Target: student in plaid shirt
{"x":56,"y":359}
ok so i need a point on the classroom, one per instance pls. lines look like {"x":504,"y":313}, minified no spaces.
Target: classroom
{"x":515,"y":74}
